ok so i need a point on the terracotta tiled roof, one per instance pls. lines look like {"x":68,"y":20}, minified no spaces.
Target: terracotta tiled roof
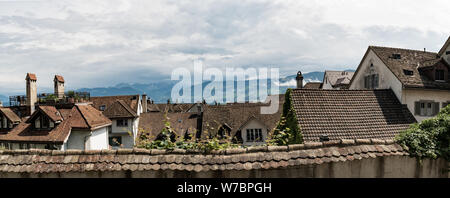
{"x":349,"y":114}
{"x":154,"y":122}
{"x":31,"y":76}
{"x":252,"y":158}
{"x":131,"y":100}
{"x":313,"y":85}
{"x":80,"y":117}
{"x":92,"y":116}
{"x":10,"y":114}
{"x":59,"y":78}
{"x":235,"y":115}
{"x":51,"y":112}
{"x":412,"y":60}
{"x":120,"y":109}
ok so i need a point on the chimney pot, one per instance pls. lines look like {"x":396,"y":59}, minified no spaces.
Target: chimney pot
{"x":299,"y":79}
{"x":31,"y":91}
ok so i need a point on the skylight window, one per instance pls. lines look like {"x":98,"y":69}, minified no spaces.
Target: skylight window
{"x":408,"y":72}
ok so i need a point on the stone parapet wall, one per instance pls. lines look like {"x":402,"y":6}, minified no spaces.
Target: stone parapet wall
{"x":342,"y":158}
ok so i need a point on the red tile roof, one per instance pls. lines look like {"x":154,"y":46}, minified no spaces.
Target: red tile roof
{"x":81,"y":116}
{"x":119,"y":109}
{"x":349,"y":114}
{"x":154,"y":122}
{"x":10,"y":114}
{"x":31,"y":76}
{"x":59,"y":78}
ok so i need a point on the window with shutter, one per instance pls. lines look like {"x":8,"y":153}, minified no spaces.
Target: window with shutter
{"x":417,"y":108}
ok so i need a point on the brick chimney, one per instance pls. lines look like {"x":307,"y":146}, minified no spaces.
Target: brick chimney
{"x":59,"y":86}
{"x":31,"y":91}
{"x":144,"y":103}
{"x":299,"y":79}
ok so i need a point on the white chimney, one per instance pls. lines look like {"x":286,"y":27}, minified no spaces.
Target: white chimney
{"x":299,"y":79}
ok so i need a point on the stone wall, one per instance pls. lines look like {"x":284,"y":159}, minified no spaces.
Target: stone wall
{"x":337,"y":159}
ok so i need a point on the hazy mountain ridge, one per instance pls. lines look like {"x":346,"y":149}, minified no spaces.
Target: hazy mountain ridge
{"x":161,"y":91}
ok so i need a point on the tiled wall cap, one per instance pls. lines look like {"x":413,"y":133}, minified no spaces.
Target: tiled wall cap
{"x":141,"y":151}
{"x":294,"y":147}
{"x":74,"y":152}
{"x":378,"y":141}
{"x":57,"y":152}
{"x":124,"y":151}
{"x":235,"y":151}
{"x":277,"y":148}
{"x":177,"y":151}
{"x":390,"y":142}
{"x":347,"y":142}
{"x":193,"y":151}
{"x":311,"y":145}
{"x":92,"y":152}
{"x":363,"y":141}
{"x":254,"y":149}
{"x":157,"y":152}
{"x":108,"y":152}
{"x":217,"y":152}
{"x":331,"y":143}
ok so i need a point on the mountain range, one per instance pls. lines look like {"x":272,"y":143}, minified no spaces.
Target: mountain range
{"x":160,"y":91}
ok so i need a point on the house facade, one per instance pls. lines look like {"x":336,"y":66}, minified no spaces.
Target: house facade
{"x":56,"y":126}
{"x":419,"y":79}
{"x":124,"y":112}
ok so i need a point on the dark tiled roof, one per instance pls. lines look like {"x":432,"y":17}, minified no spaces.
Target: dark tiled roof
{"x":339,"y":78}
{"x":235,"y":115}
{"x":349,"y":114}
{"x":412,"y":60}
{"x":171,"y":108}
{"x":313,"y":85}
{"x":131,"y":100}
{"x":119,"y":109}
{"x":252,"y":158}
{"x":154,"y":122}
{"x":93,"y":117}
{"x":59,"y":78}
{"x":10,"y":114}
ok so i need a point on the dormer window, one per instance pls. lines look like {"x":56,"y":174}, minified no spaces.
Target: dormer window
{"x":43,"y":123}
{"x":396,"y":56}
{"x":440,"y":75}
{"x":102,"y":108}
{"x":408,"y":72}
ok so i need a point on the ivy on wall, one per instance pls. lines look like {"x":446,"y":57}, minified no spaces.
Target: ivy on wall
{"x":287,"y":130}
{"x":429,"y":138}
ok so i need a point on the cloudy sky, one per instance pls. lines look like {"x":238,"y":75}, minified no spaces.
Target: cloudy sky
{"x":102,"y":43}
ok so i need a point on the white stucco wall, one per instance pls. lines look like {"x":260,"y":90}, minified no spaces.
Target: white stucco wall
{"x":387,"y":80}
{"x":116,"y":129}
{"x":447,"y":57}
{"x":99,"y":139}
{"x":127,"y":140}
{"x":253,"y":124}
{"x":414,"y":95}
{"x":77,"y":140}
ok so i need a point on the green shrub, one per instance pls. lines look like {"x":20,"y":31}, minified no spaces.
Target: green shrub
{"x":287,"y":130}
{"x":429,"y":138}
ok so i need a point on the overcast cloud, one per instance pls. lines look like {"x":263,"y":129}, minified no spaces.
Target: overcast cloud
{"x":102,"y":43}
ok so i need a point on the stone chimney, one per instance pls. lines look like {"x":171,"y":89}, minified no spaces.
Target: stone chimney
{"x":31,"y":91}
{"x":1,"y":104}
{"x":299,"y":79}
{"x":59,"y":86}
{"x":144,"y":103}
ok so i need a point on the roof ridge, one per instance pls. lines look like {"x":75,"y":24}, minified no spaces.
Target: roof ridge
{"x":124,"y":105}
{"x":397,"y":48}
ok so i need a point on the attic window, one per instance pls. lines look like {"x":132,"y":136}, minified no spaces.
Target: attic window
{"x":408,"y":72}
{"x":396,"y":56}
{"x":102,"y":108}
{"x":447,"y":52}
{"x":440,"y":74}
